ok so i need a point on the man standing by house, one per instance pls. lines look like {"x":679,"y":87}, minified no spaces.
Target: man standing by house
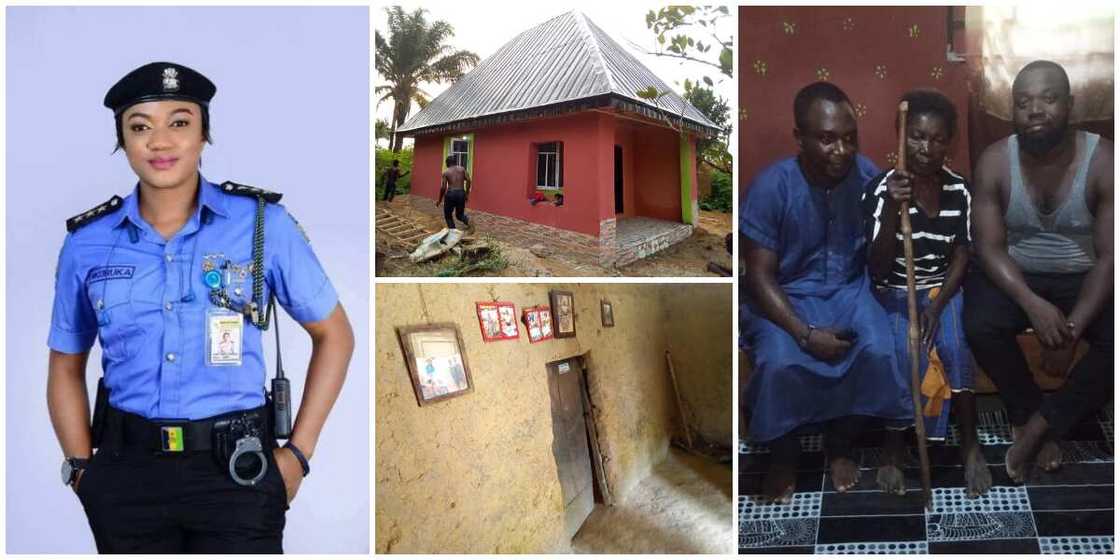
{"x":1043,"y":232}
{"x":455,"y":188}
{"x":821,"y":349}
{"x":390,"y":178}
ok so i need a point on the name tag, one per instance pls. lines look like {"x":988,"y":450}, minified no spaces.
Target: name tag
{"x":223,"y":335}
{"x":111,"y":272}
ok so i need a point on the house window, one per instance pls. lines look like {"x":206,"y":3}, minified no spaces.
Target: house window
{"x":550,"y":167}
{"x":460,"y":150}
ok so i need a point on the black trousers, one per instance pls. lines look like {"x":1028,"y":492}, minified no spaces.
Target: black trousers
{"x":455,"y":200}
{"x":140,"y":502}
{"x":390,"y":192}
{"x":992,"y":320}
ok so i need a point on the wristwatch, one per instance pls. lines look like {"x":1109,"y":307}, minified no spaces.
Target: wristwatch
{"x":803,"y":342}
{"x":71,"y":466}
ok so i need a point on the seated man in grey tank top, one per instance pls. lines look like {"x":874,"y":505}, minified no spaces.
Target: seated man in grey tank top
{"x":1042,"y":215}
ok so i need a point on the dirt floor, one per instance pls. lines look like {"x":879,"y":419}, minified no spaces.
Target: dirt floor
{"x":682,"y":507}
{"x":687,"y":258}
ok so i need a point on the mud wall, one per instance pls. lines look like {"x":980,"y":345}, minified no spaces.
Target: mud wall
{"x":476,"y":473}
{"x":699,"y":338}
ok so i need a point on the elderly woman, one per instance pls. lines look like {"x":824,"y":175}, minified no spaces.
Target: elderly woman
{"x":939,"y":209}
{"x":187,"y":459}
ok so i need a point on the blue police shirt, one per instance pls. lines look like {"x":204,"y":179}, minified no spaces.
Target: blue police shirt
{"x":145,"y":298}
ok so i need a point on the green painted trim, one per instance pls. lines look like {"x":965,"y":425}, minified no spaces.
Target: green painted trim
{"x":470,"y":151}
{"x":688,"y":215}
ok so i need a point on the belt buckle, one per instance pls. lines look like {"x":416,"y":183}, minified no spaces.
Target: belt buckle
{"x":171,"y":439}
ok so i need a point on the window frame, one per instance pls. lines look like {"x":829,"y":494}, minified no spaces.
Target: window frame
{"x":556,"y":154}
{"x":462,"y":158}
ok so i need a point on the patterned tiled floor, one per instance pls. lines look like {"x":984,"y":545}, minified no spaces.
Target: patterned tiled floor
{"x":1067,"y":512}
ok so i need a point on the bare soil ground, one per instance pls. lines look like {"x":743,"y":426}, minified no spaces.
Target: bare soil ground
{"x":682,"y":507}
{"x":687,"y":258}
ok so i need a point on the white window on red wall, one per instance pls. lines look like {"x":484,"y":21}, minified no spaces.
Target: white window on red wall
{"x":460,"y":150}
{"x":550,"y":165}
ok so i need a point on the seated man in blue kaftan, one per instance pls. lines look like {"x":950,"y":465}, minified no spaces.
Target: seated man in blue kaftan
{"x":820,"y":345}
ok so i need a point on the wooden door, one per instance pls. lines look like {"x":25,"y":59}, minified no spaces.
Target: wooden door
{"x":569,"y":442}
{"x":618,"y":186}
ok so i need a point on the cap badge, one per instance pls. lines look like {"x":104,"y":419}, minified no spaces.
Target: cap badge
{"x":170,"y":79}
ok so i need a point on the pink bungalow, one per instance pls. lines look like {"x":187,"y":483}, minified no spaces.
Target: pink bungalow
{"x":554,"y":115}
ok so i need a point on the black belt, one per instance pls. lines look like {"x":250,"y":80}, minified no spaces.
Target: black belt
{"x":166,"y":436}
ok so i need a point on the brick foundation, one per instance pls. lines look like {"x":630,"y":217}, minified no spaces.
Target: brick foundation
{"x":608,"y":244}
{"x":630,"y":251}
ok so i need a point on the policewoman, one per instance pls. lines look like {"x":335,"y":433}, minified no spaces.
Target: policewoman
{"x":177,"y":280}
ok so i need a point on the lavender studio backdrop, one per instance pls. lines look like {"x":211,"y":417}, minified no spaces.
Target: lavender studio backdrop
{"x":291,"y":114}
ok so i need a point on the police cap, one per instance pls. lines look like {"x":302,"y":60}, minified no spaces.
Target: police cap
{"x":159,"y":81}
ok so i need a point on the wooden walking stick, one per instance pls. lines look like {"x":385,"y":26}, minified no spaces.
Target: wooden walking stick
{"x":915,"y":331}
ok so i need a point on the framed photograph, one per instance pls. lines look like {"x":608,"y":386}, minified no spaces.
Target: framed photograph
{"x":608,"y":313}
{"x":436,"y":364}
{"x":546,"y":321}
{"x":563,"y":313}
{"x":498,"y":320}
{"x":538,"y":323}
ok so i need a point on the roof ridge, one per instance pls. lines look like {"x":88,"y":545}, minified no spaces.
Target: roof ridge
{"x":596,"y":50}
{"x":567,"y":57}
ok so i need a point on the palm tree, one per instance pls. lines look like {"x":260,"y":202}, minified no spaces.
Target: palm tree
{"x":414,"y":53}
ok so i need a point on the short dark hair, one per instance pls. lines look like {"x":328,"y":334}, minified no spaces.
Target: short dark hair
{"x":815,"y":91}
{"x":931,"y":102}
{"x":396,"y":162}
{"x":119,"y":118}
{"x":1044,"y":65}
{"x":450,"y":161}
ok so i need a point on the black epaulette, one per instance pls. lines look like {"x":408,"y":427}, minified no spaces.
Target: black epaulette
{"x":89,"y":216}
{"x":229,"y":187}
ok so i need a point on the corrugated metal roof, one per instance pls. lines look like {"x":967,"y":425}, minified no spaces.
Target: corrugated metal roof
{"x":564,"y":59}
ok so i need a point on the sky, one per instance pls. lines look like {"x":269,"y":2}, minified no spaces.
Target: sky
{"x":485,"y":31}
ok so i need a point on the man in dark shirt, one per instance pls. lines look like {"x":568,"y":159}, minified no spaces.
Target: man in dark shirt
{"x":390,"y":178}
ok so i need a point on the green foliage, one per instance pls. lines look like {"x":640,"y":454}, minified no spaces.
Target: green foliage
{"x":463,"y":265}
{"x":382,"y":130}
{"x":415,"y":51}
{"x":383,"y":160}
{"x":713,"y":152}
{"x":720,"y":198}
{"x":688,"y":32}
{"x":650,"y":93}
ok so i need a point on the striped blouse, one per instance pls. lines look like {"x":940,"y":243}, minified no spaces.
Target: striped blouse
{"x":934,"y":237}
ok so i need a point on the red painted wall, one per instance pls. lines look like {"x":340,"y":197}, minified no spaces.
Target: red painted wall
{"x":505,"y":164}
{"x":658,"y":176}
{"x":875,"y":54}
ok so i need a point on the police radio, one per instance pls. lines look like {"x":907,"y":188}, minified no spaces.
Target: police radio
{"x":281,"y":391}
{"x":281,"y":397}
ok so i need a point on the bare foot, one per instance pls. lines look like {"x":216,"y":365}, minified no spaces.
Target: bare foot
{"x":845,"y":473}
{"x":891,"y":480}
{"x":1028,"y":440}
{"x":777,"y":487}
{"x":977,"y":477}
{"x":890,"y":477}
{"x":1049,"y":454}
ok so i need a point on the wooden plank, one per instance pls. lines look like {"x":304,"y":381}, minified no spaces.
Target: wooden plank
{"x":680,"y":404}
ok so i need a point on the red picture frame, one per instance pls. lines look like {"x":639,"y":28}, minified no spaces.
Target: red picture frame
{"x":497,"y":320}
{"x":538,"y":323}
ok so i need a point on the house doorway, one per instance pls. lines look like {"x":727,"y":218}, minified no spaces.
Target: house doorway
{"x":618,"y":196}
{"x":575,"y":443}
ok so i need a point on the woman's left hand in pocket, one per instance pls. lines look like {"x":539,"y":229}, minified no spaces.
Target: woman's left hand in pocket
{"x":290,"y":471}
